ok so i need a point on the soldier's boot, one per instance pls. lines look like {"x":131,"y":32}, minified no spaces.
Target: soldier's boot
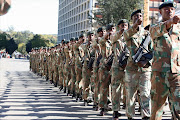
{"x":77,"y":97}
{"x":55,"y":84}
{"x":102,"y":112}
{"x":146,"y":118}
{"x":96,"y":107}
{"x":73,"y":94}
{"x":116,"y":115}
{"x":85,"y":103}
{"x":64,"y":89}
{"x":47,"y":78}
{"x":130,"y":118}
{"x":61,"y":87}
{"x":69,"y":92}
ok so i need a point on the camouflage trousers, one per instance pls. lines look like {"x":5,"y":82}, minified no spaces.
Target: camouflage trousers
{"x":117,"y":84}
{"x":86,"y":74}
{"x":135,"y":80}
{"x":78,"y":70}
{"x":67,"y":76}
{"x":73,"y":78}
{"x":61,"y":75}
{"x":165,"y":85}
{"x":104,"y":79}
{"x":95,"y":84}
{"x":55,"y":75}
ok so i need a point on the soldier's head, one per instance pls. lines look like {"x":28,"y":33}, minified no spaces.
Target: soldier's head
{"x":100,"y":32}
{"x":167,"y":10}
{"x":123,"y":24}
{"x":82,"y":38}
{"x":67,"y":43}
{"x":136,"y":15}
{"x":110,"y":28}
{"x":72,"y":40}
{"x":90,"y":35}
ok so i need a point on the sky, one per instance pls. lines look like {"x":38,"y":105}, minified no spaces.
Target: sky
{"x":37,"y":16}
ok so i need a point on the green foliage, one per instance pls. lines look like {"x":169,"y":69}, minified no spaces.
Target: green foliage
{"x":22,"y":48}
{"x":11,"y":46}
{"x":3,"y":40}
{"x":114,"y":10}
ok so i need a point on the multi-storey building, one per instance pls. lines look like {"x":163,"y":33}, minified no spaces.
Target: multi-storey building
{"x":74,"y":17}
{"x":154,"y":15}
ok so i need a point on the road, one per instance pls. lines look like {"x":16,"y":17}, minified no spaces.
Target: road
{"x":26,"y":96}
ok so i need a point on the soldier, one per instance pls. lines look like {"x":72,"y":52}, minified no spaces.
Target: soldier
{"x":61,"y":64}
{"x":104,"y":67}
{"x":117,"y":71}
{"x":165,"y":68}
{"x":137,"y":78}
{"x":78,"y":65}
{"x":67,"y":67}
{"x":72,"y":66}
{"x":86,"y":72}
{"x":95,"y":76}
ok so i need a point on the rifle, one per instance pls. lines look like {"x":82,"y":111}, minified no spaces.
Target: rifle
{"x":142,"y":58}
{"x":122,"y":59}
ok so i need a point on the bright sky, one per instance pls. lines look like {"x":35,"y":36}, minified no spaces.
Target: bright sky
{"x":37,"y":16}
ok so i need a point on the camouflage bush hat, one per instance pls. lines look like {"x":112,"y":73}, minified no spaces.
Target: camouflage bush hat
{"x":122,"y":21}
{"x":137,"y":11}
{"x":168,"y":3}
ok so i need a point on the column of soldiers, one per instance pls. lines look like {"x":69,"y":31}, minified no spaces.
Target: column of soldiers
{"x":116,"y":66}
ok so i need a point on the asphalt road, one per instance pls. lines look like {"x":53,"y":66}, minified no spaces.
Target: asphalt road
{"x":26,"y":96}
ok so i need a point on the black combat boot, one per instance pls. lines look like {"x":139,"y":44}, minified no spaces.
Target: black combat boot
{"x":85,"y":103}
{"x":73,"y":94}
{"x":64,"y":89}
{"x":102,"y":112}
{"x":116,"y":115}
{"x":61,"y":87}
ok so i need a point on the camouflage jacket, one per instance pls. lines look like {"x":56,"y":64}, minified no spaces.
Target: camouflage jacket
{"x":166,"y":48}
{"x":133,"y":39}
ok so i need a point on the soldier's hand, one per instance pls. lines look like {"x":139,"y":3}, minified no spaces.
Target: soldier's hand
{"x":175,"y":19}
{"x":121,"y":31}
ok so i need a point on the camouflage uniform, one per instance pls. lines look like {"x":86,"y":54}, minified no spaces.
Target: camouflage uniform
{"x":78,"y":67}
{"x":104,"y":73}
{"x":166,"y":69}
{"x":137,"y":78}
{"x":117,"y":73}
{"x":67,"y":68}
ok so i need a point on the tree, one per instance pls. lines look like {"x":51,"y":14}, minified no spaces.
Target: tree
{"x":3,"y":40}
{"x":114,"y":10}
{"x":11,"y":46}
{"x":22,"y":48}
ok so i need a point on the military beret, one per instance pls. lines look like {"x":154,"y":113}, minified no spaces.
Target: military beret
{"x":109,"y":27}
{"x":137,"y":11}
{"x":72,"y":39}
{"x":100,"y":30}
{"x":76,"y":39}
{"x":122,"y":21}
{"x":168,"y":3}
{"x":81,"y":35}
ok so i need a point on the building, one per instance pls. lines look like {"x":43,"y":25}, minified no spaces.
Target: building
{"x":154,"y":15}
{"x":74,"y":18}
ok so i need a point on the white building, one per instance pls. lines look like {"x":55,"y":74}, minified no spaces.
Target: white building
{"x":74,"y":17}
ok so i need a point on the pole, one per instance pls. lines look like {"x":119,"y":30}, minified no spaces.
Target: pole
{"x":146,"y":13}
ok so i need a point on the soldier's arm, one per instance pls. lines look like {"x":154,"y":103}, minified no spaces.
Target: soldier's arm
{"x":129,"y":33}
{"x":163,"y":27}
{"x":116,"y":36}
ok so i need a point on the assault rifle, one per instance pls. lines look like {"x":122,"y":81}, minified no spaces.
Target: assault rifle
{"x":143,"y":58}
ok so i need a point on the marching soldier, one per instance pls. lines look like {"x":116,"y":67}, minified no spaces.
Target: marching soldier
{"x":166,"y":63}
{"x":117,"y":71}
{"x":137,"y":78}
